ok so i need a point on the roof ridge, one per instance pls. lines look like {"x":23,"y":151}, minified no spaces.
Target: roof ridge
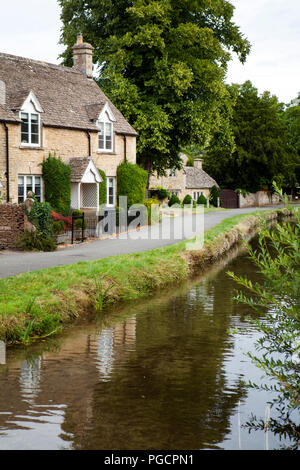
{"x":42,"y":63}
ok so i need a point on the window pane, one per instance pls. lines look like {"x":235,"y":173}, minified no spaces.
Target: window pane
{"x":34,"y":128}
{"x":101,"y":135}
{"x":29,"y":184}
{"x":108,"y":136}
{"x":21,"y":189}
{"x":24,"y":128}
{"x":111,"y":191}
{"x":37,"y":188}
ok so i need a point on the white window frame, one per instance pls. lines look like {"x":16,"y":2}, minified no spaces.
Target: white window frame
{"x":105,"y":121}
{"x":33,"y":186}
{"x":107,"y":191}
{"x":30,"y":143}
{"x":173,"y":173}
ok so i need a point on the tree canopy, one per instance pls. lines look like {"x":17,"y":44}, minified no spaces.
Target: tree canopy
{"x":254,"y":149}
{"x":162,"y":63}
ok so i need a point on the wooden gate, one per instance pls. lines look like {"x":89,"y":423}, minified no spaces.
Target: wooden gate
{"x":230,"y":199}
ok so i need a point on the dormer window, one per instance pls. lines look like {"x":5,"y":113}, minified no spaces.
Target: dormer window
{"x":31,"y":122}
{"x":105,"y":136}
{"x":30,"y":129}
{"x":106,"y":130}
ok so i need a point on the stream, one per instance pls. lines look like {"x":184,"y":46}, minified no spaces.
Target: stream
{"x":164,"y":373}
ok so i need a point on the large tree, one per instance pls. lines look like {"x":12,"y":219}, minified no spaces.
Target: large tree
{"x":162,"y":63}
{"x":291,"y":118}
{"x":262,"y":151}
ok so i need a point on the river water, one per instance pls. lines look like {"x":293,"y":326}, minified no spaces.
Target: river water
{"x":165,"y":373}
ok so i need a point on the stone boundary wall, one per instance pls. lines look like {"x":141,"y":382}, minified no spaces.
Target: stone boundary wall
{"x":261,"y":198}
{"x":12,"y":224}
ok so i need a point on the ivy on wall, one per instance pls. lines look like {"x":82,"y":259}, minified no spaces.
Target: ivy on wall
{"x":102,"y":188}
{"x":131,"y":182}
{"x":57,"y":181}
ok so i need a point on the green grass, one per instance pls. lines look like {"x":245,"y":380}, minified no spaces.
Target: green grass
{"x":37,"y":304}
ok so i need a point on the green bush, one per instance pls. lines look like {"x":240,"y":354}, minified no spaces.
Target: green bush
{"x":131,"y":182}
{"x":202,"y":200}
{"x":102,"y":188}
{"x":162,"y":193}
{"x":34,"y":241}
{"x":214,"y":195}
{"x":153,"y":213}
{"x":78,"y":224}
{"x":77,"y":213}
{"x":58,"y":227}
{"x":187,"y":200}
{"x":57,"y":181}
{"x":40,"y":217}
{"x":174,"y":200}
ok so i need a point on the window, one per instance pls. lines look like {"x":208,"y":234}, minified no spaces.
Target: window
{"x":105,"y":136}
{"x":172,"y":173}
{"x":111,"y":192}
{"x":30,"y":129}
{"x":29,"y":183}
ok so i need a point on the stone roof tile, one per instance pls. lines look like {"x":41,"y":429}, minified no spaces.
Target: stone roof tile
{"x":65,"y":94}
{"x":196,"y":178}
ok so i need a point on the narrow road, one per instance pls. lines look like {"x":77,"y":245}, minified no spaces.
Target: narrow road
{"x":148,"y":238}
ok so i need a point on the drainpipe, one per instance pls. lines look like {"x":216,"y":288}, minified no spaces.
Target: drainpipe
{"x":125,"y":148}
{"x":7,"y":162}
{"x":90,"y":146}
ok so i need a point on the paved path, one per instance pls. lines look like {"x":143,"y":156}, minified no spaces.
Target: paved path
{"x":12,"y":263}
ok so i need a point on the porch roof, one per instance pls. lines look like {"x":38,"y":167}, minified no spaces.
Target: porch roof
{"x":80,"y":167}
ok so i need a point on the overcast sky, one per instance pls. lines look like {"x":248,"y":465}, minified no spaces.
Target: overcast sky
{"x":31,"y":29}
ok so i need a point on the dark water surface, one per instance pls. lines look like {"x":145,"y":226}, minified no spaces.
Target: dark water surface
{"x":162,"y":374}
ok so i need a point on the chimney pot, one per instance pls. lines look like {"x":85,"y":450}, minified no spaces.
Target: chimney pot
{"x":79,"y":38}
{"x":198,"y":162}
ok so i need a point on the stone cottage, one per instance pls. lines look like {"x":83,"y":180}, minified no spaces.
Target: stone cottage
{"x":47,"y":108}
{"x":192,"y":181}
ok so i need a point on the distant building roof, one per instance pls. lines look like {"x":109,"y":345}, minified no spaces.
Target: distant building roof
{"x":68,"y":98}
{"x":196,"y":178}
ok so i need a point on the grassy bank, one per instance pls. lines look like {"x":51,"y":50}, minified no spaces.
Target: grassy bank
{"x":37,"y":304}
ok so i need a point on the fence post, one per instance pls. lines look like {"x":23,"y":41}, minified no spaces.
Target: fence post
{"x":82,"y":232}
{"x":72,"y":229}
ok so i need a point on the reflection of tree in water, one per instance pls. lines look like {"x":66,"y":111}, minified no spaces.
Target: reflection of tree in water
{"x":173,"y":392}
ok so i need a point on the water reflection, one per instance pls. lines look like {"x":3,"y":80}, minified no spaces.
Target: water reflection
{"x":161,"y":375}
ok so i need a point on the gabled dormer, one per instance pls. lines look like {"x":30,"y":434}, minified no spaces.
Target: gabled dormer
{"x":30,"y":115}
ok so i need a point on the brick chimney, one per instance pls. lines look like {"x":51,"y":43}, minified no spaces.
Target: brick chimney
{"x":198,"y":163}
{"x":2,"y":92}
{"x":83,"y":57}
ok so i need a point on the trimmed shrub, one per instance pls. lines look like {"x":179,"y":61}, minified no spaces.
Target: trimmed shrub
{"x":174,"y":200}
{"x":58,"y":227}
{"x":131,"y":182}
{"x":102,"y":188}
{"x":57,"y":181}
{"x":214,"y":195}
{"x":78,"y":222}
{"x":202,"y":200}
{"x":187,"y":200}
